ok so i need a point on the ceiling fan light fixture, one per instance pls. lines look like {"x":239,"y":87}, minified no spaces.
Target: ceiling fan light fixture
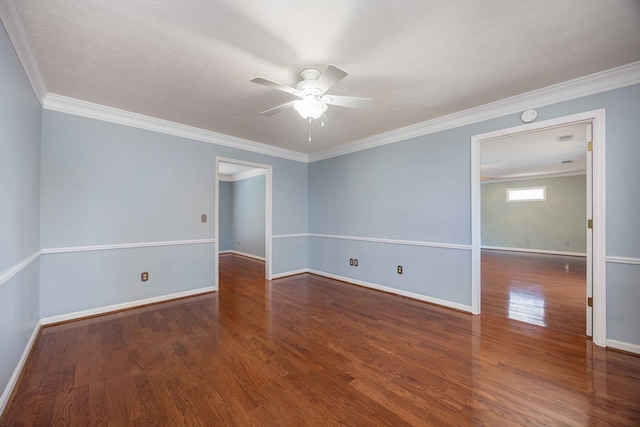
{"x":310,"y":108}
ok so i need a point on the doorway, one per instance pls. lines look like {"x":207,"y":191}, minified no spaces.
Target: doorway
{"x":246,"y":240}
{"x":595,"y":246}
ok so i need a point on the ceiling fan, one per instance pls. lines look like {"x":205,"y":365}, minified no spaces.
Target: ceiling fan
{"x":312,"y":91}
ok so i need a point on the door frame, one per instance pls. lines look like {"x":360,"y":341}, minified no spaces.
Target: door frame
{"x":599,"y":261}
{"x":268,"y":247}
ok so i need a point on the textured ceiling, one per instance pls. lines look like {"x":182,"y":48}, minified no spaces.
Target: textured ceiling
{"x":191,"y":62}
{"x":536,"y":154}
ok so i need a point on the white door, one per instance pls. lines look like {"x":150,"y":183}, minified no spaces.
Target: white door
{"x":589,"y":230}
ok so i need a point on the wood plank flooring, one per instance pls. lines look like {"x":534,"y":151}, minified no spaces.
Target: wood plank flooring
{"x":544,"y":290}
{"x":311,"y":351}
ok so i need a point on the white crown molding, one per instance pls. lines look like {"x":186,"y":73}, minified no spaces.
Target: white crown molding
{"x":12,"y":22}
{"x":614,"y":78}
{"x":90,"y":110}
{"x":595,"y":83}
{"x":125,"y":246}
{"x":17,"y":268}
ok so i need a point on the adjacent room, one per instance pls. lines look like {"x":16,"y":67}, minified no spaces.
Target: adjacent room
{"x":319,"y":213}
{"x":534,"y":227}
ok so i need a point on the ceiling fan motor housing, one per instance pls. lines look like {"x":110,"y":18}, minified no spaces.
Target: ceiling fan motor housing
{"x":308,"y":85}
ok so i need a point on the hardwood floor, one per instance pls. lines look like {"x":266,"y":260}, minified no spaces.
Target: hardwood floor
{"x":544,"y":290}
{"x":307,"y":350}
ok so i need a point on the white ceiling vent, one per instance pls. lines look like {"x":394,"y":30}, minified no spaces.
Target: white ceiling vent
{"x":565,"y":138}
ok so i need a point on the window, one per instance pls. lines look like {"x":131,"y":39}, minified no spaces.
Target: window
{"x":528,"y":194}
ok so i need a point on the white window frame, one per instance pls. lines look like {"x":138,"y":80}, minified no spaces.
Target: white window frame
{"x":538,"y":187}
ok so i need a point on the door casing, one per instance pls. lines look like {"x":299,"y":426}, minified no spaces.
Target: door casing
{"x":597,"y":257}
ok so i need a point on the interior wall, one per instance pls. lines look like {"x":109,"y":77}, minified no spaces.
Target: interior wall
{"x":545,"y":225}
{"x":248,"y":215}
{"x":225,"y":221}
{"x":108,"y":184}
{"x":415,"y":194}
{"x":98,"y":189}
{"x":20,"y":118}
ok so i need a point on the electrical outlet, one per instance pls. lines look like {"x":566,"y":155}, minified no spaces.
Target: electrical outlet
{"x":203,"y":217}
{"x":144,"y":276}
{"x":351,"y":262}
{"x":566,"y":243}
{"x":355,"y":262}
{"x":526,"y":241}
{"x":399,"y":269}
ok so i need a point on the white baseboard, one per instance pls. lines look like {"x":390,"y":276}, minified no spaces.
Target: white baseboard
{"x":6,"y":394}
{"x":225,"y":252}
{"x":289,"y":273}
{"x":123,"y":306}
{"x":407,"y":294}
{"x":535,"y":251}
{"x":625,"y":346}
{"x":259,"y":258}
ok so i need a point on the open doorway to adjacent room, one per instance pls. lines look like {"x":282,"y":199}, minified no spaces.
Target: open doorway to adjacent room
{"x":243,"y":211}
{"x":534,"y":235}
{"x":533,"y":252}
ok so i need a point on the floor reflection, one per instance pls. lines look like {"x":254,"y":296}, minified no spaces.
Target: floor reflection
{"x":543,"y":290}
{"x":527,"y":307}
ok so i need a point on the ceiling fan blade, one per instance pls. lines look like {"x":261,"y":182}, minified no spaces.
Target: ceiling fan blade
{"x":275,"y":85}
{"x":329,"y":77}
{"x":274,"y":110}
{"x":348,"y":101}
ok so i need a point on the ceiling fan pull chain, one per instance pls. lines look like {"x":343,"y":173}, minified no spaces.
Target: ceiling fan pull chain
{"x":310,"y":128}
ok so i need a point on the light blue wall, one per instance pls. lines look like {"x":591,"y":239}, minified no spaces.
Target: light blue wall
{"x":296,"y":250}
{"x":225,"y":206}
{"x":72,"y":282}
{"x":419,"y":189}
{"x":104,"y":183}
{"x":248,"y":221}
{"x":416,"y":190}
{"x":543,"y":225}
{"x":292,"y":201}
{"x":623,"y":296}
{"x":20,"y":117}
{"x":100,"y":183}
{"x":385,"y":192}
{"x":623,"y":203}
